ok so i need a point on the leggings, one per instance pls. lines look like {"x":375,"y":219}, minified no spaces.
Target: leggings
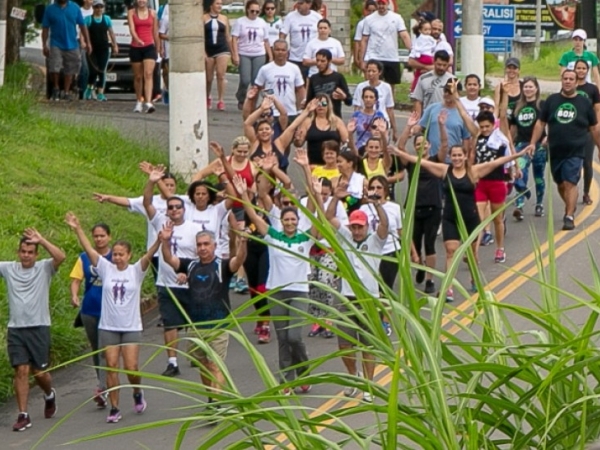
{"x":292,"y":350}
{"x":97,"y":64}
{"x":538,"y":164}
{"x":90,"y":324}
{"x":326,"y":276}
{"x":389,"y":269}
{"x":427,"y":222}
{"x":256,"y":266}
{"x":249,"y":66}
{"x":588,"y":169}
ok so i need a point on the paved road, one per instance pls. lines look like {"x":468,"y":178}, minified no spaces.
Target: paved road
{"x":74,"y":384}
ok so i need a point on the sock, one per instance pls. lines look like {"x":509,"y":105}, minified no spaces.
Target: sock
{"x":173,"y":360}
{"x":49,"y":397}
{"x":24,"y":413}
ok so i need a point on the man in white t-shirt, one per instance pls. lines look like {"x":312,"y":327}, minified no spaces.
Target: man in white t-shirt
{"x":282,"y":79}
{"x":437,"y":32}
{"x":370,"y":8}
{"x":301,"y":26}
{"x":380,"y":41}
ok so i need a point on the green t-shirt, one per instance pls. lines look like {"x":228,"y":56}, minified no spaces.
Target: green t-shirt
{"x":568,"y":60}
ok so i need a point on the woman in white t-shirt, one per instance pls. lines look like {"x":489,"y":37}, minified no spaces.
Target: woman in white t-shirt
{"x":323,"y":41}
{"x":120,"y":327}
{"x":472,"y":98}
{"x":268,"y":13}
{"x":249,"y":47}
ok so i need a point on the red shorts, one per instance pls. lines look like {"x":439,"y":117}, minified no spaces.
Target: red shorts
{"x":493,"y":191}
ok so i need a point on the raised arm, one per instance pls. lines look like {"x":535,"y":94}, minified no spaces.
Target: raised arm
{"x":411,"y":122}
{"x":242,"y":188}
{"x":255,"y":115}
{"x":351,"y":127}
{"x":382,"y":229}
{"x":241,"y":245}
{"x":443,"y":150}
{"x":381,"y":125}
{"x":164,"y":237}
{"x":481,"y":170}
{"x":35,"y":237}
{"x":146,"y":260}
{"x":286,"y":137}
{"x":73,"y":222}
{"x":437,"y":169}
{"x":153,"y":178}
{"x":341,"y":127}
{"x":115,"y":200}
{"x":283,"y":114}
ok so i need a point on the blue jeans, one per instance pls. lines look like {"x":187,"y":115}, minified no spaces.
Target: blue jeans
{"x":538,"y":163}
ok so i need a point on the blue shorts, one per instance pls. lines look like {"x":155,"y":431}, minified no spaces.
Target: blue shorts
{"x":566,"y":170}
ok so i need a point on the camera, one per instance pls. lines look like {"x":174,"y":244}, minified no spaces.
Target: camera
{"x":374,"y":197}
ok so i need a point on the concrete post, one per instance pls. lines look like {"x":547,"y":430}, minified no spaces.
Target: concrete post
{"x":3,"y":14}
{"x":471,"y":43}
{"x":188,"y":121}
{"x":338,"y":13}
{"x":538,"y":30}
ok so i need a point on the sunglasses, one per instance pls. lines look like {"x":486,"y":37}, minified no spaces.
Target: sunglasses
{"x":172,"y":207}
{"x":286,"y":203}
{"x":323,"y":103}
{"x":99,"y":6}
{"x":253,"y":11}
{"x":270,"y":8}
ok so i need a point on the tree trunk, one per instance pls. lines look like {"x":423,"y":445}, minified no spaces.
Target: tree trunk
{"x":13,"y":33}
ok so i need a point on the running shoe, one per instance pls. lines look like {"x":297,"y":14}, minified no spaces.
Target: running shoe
{"x":367,"y":397}
{"x":473,"y":287}
{"x":539,"y":210}
{"x":87,"y":94}
{"x":171,"y":371}
{"x":101,"y":97}
{"x":327,"y":334}
{"x":139,"y":107}
{"x":150,"y":108}
{"x":568,"y":223}
{"x":100,"y":399}
{"x":67,"y":97}
{"x":264,"y":337}
{"x":232,"y":283}
{"x":241,"y":287}
{"x":487,"y":239}
{"x":286,"y":391}
{"x":139,"y":402}
{"x":518,"y":214}
{"x":258,"y":328}
{"x":429,"y":287}
{"x":500,"y":256}
{"x":304,"y":389}
{"x":449,"y":296}
{"x":350,"y":391}
{"x":23,"y":422}
{"x":420,"y":276}
{"x":50,"y":405}
{"x":114,"y":416}
{"x":387,"y":327}
{"x":55,"y":95}
{"x":221,"y":105}
{"x":315,"y":330}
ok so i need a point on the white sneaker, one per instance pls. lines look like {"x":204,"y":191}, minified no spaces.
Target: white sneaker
{"x":139,"y":107}
{"x":367,"y":397}
{"x":150,"y":108}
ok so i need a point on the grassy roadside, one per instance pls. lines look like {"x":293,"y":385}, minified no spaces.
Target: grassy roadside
{"x":49,"y":169}
{"x":545,"y":68}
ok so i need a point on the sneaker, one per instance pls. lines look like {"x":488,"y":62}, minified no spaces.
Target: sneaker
{"x":114,"y":416}
{"x":539,"y":210}
{"x":473,"y":289}
{"x":209,"y":102}
{"x":221,"y":105}
{"x":240,"y":105}
{"x":286,"y":391}
{"x":23,"y":422}
{"x":67,"y":97}
{"x":258,"y":328}
{"x":367,"y":397}
{"x":87,"y":94}
{"x":150,"y":108}
{"x":264,"y":337}
{"x":100,"y":399}
{"x":139,"y":107}
{"x":315,"y":330}
{"x":518,"y":214}
{"x":304,"y":389}
{"x":387,"y":327}
{"x":50,"y":406}
{"x":449,"y":296}
{"x":139,"y":402}
{"x":420,"y":276}
{"x":157,"y":98}
{"x":241,"y":287}
{"x":232,"y":283}
{"x":500,"y":256}
{"x":171,"y":371}
{"x":101,"y":97}
{"x":327,"y":334}
{"x":350,"y":391}
{"x":487,"y":239}
{"x":587,"y":200}
{"x":165,"y":97}
{"x":429,"y":287}
{"x":568,"y":223}
{"x":55,"y":95}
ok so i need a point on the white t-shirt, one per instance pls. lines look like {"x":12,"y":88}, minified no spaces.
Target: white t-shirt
{"x":382,"y":44}
{"x":424,"y":45}
{"x":274,"y":28}
{"x":301,"y":30}
{"x":340,"y":214}
{"x":385,"y":97}
{"x":86,"y":12}
{"x":443,"y":45}
{"x":304,"y":223}
{"x":356,"y":185}
{"x":210,"y":219}
{"x":358,"y":33}
{"x":251,"y":34}
{"x":331,"y":44}
{"x":222,"y":250}
{"x":285,"y":268}
{"x":472,"y":106}
{"x":394,"y":216}
{"x":283,"y":80}
{"x":183,"y":245}
{"x":163,"y":28}
{"x":366,"y":264}
{"x":121,"y":291}
{"x":136,"y":205}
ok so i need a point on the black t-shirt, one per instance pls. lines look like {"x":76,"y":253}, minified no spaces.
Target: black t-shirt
{"x":208,"y":289}
{"x":327,"y":84}
{"x":569,"y":120}
{"x":589,"y":91}
{"x":483,"y":154}
{"x":512,"y":103}
{"x":524,"y":119}
{"x":429,"y":187}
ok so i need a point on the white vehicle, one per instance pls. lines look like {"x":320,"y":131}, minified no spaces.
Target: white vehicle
{"x":233,"y":7}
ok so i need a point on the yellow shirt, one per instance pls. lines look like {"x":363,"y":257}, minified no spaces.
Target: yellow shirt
{"x":379,"y":170}
{"x":322,"y":172}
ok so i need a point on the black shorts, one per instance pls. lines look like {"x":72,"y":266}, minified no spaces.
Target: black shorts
{"x":29,"y":346}
{"x":568,"y":169}
{"x":238,"y":213}
{"x":139,"y":54}
{"x":303,"y":70}
{"x":391,"y":72}
{"x":450,"y":230}
{"x":170,"y":313}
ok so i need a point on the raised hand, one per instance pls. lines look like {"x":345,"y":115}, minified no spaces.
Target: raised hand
{"x":156,"y":175}
{"x":443,"y":116}
{"x":146,"y":167}
{"x":32,"y":235}
{"x":240,"y":184}
{"x":252,"y":92}
{"x":217,"y":149}
{"x":72,"y":220}
{"x":312,"y":105}
{"x":381,"y":124}
{"x":317,"y":185}
{"x":167,"y":232}
{"x":341,"y":190}
{"x":217,"y":167}
{"x":351,"y":126}
{"x":266,"y":104}
{"x":268,"y":162}
{"x":413,"y":119}
{"x":301,"y":157}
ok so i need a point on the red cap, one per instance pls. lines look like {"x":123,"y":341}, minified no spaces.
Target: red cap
{"x":358,"y":217}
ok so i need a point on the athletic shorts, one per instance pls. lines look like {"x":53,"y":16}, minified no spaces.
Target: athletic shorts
{"x":169,"y":311}
{"x":69,"y":61}
{"x":450,"y":231}
{"x":351,"y":332}
{"x":108,"y":338}
{"x":139,"y":54}
{"x":217,"y":340}
{"x":391,"y":72}
{"x":29,"y":346}
{"x":303,"y":70}
{"x":238,"y":213}
{"x":566,"y":170}
{"x":493,"y":191}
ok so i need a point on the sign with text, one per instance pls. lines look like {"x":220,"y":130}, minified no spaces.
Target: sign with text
{"x":556,"y":14}
{"x":498,"y":21}
{"x":18,"y":13}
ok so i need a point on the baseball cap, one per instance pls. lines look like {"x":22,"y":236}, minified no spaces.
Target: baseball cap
{"x":487,"y":101}
{"x":358,"y":217}
{"x":381,"y":1}
{"x":579,"y":33}
{"x":513,"y":62}
{"x":97,"y":2}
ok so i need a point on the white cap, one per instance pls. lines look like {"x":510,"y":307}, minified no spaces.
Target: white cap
{"x":487,"y":101}
{"x":580,"y":34}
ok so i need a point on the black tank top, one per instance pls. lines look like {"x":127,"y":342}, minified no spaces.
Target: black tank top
{"x":282,"y":160}
{"x":314,"y":140}
{"x":98,"y":32}
{"x":464,"y":191}
{"x":215,"y":41}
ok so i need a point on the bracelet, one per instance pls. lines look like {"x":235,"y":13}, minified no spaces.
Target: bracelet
{"x":221,"y":174}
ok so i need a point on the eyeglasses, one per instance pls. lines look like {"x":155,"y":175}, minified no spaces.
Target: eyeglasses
{"x":172,"y":207}
{"x":270,"y":8}
{"x":286,"y":203}
{"x":253,"y":11}
{"x":99,"y":6}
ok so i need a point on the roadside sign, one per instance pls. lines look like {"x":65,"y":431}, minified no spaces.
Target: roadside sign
{"x":497,"y":45}
{"x":498,"y":27}
{"x":18,"y":13}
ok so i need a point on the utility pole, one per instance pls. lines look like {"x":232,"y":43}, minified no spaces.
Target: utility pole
{"x":2,"y":39}
{"x":538,"y":30}
{"x":471,"y":42}
{"x":188,"y":120}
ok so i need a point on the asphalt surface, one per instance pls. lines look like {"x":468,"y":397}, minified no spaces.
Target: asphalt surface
{"x":75,"y":383}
